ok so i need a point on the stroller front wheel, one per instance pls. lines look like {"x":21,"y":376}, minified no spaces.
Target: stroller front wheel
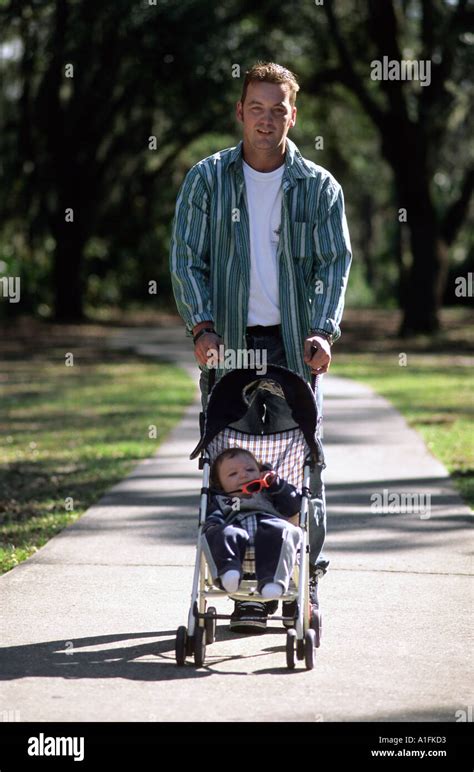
{"x":181,"y":645}
{"x":300,"y":649}
{"x":210,"y":624}
{"x":200,"y":646}
{"x":290,"y":648}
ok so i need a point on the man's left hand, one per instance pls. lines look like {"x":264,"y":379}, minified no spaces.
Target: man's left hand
{"x":317,"y":354}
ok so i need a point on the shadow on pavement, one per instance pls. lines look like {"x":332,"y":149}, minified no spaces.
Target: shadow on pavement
{"x":65,"y":658}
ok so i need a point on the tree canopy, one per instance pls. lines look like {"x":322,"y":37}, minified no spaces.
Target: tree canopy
{"x":103,"y":108}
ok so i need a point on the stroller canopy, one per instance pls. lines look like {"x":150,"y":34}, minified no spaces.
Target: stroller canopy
{"x":260,"y":404}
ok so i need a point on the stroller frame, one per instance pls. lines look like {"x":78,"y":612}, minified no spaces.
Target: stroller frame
{"x":303,"y":637}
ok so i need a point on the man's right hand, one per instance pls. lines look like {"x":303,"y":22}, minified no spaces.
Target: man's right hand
{"x":209,"y":342}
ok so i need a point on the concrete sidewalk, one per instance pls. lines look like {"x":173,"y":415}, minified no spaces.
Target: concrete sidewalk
{"x":88,"y":622}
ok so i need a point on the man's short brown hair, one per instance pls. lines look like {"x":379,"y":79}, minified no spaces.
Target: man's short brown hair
{"x":270,"y":72}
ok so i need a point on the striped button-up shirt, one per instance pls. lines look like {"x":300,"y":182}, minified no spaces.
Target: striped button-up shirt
{"x":210,"y":251}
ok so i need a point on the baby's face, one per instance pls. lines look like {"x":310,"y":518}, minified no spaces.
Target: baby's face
{"x":235,"y":472}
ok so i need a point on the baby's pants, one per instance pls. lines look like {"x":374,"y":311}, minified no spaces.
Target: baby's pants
{"x":276,"y":543}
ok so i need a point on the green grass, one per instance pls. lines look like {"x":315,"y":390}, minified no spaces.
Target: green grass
{"x":435,"y":395}
{"x":69,"y":433}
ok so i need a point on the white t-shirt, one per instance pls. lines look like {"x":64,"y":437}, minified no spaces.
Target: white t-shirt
{"x":264,"y":198}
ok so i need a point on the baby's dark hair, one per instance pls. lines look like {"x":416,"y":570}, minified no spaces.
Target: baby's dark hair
{"x":229,"y":453}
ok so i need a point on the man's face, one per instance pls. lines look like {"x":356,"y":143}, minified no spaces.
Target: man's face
{"x":234,"y":472}
{"x":267,"y":115}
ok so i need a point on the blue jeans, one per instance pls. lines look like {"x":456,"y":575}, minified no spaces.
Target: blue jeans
{"x":317,"y":508}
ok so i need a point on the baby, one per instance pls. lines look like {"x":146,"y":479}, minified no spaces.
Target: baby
{"x":251,"y":505}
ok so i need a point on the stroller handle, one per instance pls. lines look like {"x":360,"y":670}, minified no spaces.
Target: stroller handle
{"x":212,"y":379}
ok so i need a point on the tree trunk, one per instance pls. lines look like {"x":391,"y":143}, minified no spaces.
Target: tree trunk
{"x":68,"y":283}
{"x":423,"y":289}
{"x":427,"y":275}
{"x":366,"y":208}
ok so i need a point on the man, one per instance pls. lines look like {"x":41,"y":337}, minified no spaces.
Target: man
{"x":260,"y":257}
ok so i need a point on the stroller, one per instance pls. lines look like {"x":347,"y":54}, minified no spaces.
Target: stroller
{"x":274,"y":416}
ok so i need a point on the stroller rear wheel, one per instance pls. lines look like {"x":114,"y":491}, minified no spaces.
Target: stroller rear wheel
{"x":181,"y":645}
{"x":200,"y":646}
{"x":309,"y":648}
{"x":316,"y":625}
